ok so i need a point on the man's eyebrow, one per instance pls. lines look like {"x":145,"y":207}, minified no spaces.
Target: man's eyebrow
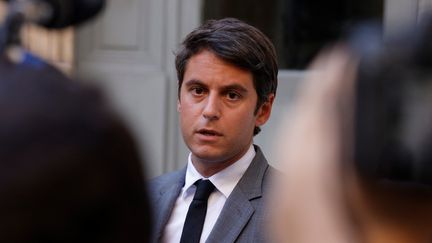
{"x":236,"y":87}
{"x":194,"y":82}
{"x":226,"y":88}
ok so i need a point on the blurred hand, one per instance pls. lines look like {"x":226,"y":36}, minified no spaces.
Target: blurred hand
{"x":309,"y":205}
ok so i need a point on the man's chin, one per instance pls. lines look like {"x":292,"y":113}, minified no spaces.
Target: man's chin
{"x":209,"y":156}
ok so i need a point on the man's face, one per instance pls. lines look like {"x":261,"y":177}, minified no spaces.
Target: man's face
{"x":216,"y":105}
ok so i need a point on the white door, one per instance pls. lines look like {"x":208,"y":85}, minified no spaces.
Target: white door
{"x":124,"y":50}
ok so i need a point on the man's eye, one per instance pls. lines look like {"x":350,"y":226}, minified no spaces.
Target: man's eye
{"x":233,"y":96}
{"x":197,"y":91}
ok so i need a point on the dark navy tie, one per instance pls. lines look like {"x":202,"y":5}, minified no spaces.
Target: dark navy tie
{"x":195,"y":217}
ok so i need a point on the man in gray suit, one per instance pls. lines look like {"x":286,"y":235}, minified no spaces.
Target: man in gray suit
{"x":227,"y":74}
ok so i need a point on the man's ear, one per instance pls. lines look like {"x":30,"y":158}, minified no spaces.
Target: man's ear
{"x":264,"y":111}
{"x":178,"y":105}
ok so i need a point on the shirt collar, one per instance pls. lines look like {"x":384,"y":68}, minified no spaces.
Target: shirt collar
{"x":225,"y":180}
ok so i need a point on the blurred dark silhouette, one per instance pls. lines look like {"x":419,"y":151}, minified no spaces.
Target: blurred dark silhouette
{"x":393,"y":116}
{"x":69,"y":168}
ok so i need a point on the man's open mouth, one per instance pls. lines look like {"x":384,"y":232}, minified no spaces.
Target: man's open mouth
{"x":207,"y":132}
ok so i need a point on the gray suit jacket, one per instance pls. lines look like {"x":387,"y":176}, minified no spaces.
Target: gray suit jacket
{"x":243,"y":217}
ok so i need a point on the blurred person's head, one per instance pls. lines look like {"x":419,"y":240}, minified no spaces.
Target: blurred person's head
{"x":238,"y":44}
{"x":391,"y":189}
{"x":69,"y":168}
{"x":357,"y":149}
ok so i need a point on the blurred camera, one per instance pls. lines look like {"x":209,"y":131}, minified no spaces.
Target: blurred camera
{"x":393,"y":117}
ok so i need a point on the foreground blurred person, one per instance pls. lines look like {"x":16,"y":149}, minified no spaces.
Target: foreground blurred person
{"x":339,"y":186}
{"x":69,"y":169}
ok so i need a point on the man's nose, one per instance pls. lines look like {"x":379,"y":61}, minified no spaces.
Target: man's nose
{"x":212,"y":108}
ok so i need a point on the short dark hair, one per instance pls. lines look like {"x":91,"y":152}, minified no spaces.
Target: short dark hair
{"x":69,"y":167}
{"x":238,"y":43}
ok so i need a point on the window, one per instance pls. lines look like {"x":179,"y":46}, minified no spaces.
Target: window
{"x":298,"y":28}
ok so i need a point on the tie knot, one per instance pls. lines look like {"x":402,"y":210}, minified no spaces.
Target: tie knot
{"x":204,"y":189}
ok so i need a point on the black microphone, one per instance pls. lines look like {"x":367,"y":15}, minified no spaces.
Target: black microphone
{"x":57,"y":14}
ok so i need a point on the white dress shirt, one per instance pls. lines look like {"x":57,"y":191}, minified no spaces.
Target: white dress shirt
{"x":224,"y":182}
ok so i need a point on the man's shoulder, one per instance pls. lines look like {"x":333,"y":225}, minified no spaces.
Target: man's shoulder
{"x":272,"y":171}
{"x":269,"y":177}
{"x":259,"y":175}
{"x":165,"y":180}
{"x":261,"y":163}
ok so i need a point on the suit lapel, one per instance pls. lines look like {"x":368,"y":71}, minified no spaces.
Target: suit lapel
{"x":166,"y":204}
{"x":238,"y":209}
{"x":233,"y":218}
